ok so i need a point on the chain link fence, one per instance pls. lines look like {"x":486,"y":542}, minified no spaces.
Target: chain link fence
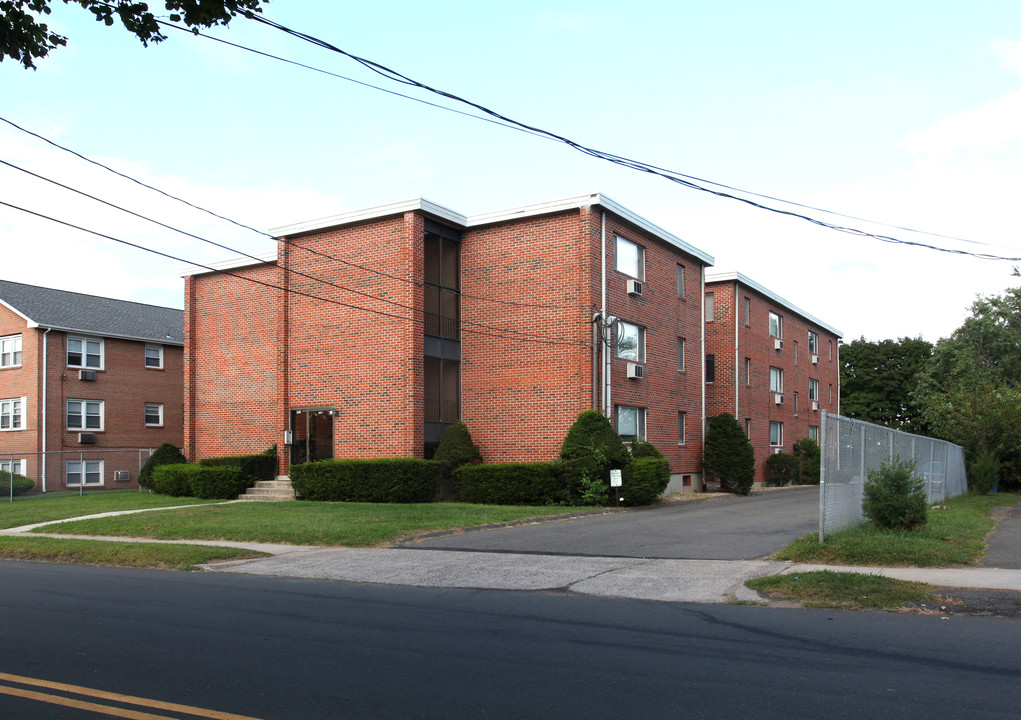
{"x":69,"y":472}
{"x":850,"y":448}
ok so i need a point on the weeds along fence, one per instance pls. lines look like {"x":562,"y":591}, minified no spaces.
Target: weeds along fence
{"x":26,"y":475}
{"x":851,"y":448}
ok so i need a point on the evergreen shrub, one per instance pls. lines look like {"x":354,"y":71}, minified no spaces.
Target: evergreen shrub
{"x":175,"y":479}
{"x":728,"y":455}
{"x":538,"y":483}
{"x":455,"y":449}
{"x":254,"y":467}
{"x":165,"y":454}
{"x":809,"y":456}
{"x":782,"y":469}
{"x":386,"y":480}
{"x":895,"y":497}
{"x":224,"y":482}
{"x":590,"y":450}
{"x":645,"y":479}
{"x":13,"y":483}
{"x":984,"y":472}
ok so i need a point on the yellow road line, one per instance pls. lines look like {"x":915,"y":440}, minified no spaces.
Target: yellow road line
{"x":102,"y":694}
{"x":81,"y":704}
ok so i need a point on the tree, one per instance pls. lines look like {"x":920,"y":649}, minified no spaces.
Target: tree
{"x":24,"y":39}
{"x":166,"y":454}
{"x":728,"y":456}
{"x":877,"y":379}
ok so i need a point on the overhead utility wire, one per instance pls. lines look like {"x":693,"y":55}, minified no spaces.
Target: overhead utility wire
{"x":267,"y":235}
{"x":287,"y":290}
{"x":676,"y":177}
{"x":253,"y":257}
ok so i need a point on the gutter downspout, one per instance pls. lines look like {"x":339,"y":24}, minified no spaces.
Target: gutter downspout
{"x":45,"y":376}
{"x":602,"y":310}
{"x":702,"y":305}
{"x":737,"y":355}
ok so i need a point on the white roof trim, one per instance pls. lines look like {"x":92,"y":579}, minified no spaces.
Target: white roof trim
{"x":231,"y":264}
{"x":745,"y":280}
{"x":371,"y":213}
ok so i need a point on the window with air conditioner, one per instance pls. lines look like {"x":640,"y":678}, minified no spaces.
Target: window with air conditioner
{"x":83,"y":352}
{"x":776,"y":380}
{"x":631,"y":342}
{"x":630,"y":258}
{"x":85,"y":415}
{"x":631,"y":422}
{"x":776,"y":434}
{"x":775,"y":325}
{"x":813,"y":390}
{"x":813,"y":343}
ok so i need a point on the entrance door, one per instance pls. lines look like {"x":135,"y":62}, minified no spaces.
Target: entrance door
{"x":311,"y":434}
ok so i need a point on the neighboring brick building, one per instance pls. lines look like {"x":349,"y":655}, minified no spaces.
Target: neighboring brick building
{"x":368,"y":333}
{"x":768,"y":363}
{"x":88,"y":381}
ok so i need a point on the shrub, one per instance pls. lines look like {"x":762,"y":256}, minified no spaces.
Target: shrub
{"x":643,"y":449}
{"x":782,"y":469}
{"x":539,"y":483}
{"x":984,"y":472}
{"x":388,"y":480}
{"x":895,"y":497}
{"x":809,"y":461}
{"x":255,"y":467}
{"x":13,"y":483}
{"x":173,"y":479}
{"x":224,"y":482}
{"x":728,"y":456}
{"x":455,"y":449}
{"x":165,"y":454}
{"x":645,"y":479}
{"x":591,"y":449}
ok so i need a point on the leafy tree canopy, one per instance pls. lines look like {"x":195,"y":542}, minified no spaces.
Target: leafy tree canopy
{"x":24,"y":38}
{"x":877,"y":378}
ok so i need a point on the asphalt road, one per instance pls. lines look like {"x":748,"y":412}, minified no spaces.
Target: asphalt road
{"x":728,"y":528}
{"x":285,"y":649}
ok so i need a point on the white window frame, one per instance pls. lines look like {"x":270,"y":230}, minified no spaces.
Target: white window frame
{"x":775,"y":379}
{"x":813,"y":343}
{"x":10,"y":351}
{"x":813,"y":390}
{"x":158,"y":357}
{"x":84,"y":352}
{"x":97,"y":470}
{"x":813,"y":432}
{"x":158,"y":410}
{"x":625,"y":349}
{"x":84,"y":414}
{"x":775,"y":433}
{"x":710,"y":307}
{"x":634,"y":417}
{"x":775,"y":325}
{"x":19,"y":467}
{"x":629,"y":256}
{"x":12,"y":414}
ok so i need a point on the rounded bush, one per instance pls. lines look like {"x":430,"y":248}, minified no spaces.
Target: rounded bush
{"x":174,"y":480}
{"x":165,"y":454}
{"x":782,"y":469}
{"x":984,"y":472}
{"x":12,"y":483}
{"x":645,"y":479}
{"x":809,"y":461}
{"x":728,"y":456}
{"x":895,"y":497}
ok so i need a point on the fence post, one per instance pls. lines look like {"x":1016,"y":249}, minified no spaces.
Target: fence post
{"x":81,"y":472}
{"x":822,"y":479}
{"x":11,"y":477}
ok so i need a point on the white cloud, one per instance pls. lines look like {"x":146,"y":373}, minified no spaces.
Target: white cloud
{"x":1009,"y":53}
{"x":573,"y":22}
{"x":992,"y":127}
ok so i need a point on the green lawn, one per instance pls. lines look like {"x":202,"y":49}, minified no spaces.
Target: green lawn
{"x":305,"y":523}
{"x":43,"y":507}
{"x":122,"y":554}
{"x":845,"y":591}
{"x":952,"y":537}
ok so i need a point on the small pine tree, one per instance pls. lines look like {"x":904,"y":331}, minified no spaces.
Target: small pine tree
{"x":895,"y":497}
{"x":809,"y":461}
{"x":642,"y":448}
{"x":728,"y":455}
{"x":983,"y":474}
{"x":591,"y":449}
{"x":456,"y":448}
{"x":165,"y":454}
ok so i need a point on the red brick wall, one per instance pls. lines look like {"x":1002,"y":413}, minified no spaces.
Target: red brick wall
{"x":23,"y":381}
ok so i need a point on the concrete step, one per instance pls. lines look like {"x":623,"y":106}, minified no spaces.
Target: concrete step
{"x":269,"y":491}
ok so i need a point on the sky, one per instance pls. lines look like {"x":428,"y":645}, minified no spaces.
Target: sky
{"x":906,"y":114}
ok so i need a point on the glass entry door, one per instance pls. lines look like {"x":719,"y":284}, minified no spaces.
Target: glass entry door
{"x":311,"y":434}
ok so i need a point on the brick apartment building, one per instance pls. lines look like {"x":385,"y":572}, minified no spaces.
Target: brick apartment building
{"x":87,"y":381}
{"x":768,"y":363}
{"x":368,"y":333}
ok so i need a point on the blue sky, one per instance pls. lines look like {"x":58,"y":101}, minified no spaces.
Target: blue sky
{"x":907,"y":113}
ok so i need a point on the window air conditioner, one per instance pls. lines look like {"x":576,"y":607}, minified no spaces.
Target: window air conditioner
{"x":815,"y":359}
{"x":777,"y":344}
{"x":778,"y":399}
{"x":777,"y":451}
{"x":815,"y":405}
{"x":635,"y":371}
{"x":634,"y":287}
{"x":87,"y":438}
{"x":87,"y":375}
{"x":122,"y":476}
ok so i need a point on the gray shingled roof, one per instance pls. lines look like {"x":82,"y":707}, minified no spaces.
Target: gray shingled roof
{"x":93,"y":315}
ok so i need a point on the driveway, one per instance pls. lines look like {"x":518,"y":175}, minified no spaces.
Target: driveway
{"x":728,"y":528}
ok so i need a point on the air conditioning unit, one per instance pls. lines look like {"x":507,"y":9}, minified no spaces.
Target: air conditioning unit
{"x":778,"y":399}
{"x":815,"y":405}
{"x":815,"y":359}
{"x":87,"y":375}
{"x":777,"y":344}
{"x":87,"y":438}
{"x":635,"y":371}
{"x":122,"y":476}
{"x":634,"y":287}
{"x":777,"y":451}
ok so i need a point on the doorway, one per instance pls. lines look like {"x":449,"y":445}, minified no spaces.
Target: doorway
{"x":311,"y":434}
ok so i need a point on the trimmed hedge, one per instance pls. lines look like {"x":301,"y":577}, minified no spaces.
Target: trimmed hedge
{"x":165,"y":454}
{"x":645,"y":479}
{"x":15,"y":483}
{"x":538,"y":483}
{"x":256,"y":467}
{"x":388,"y":480}
{"x":196,"y":480}
{"x":174,"y":479}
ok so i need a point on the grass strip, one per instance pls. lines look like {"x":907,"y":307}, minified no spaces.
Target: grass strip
{"x":26,"y":510}
{"x":120,"y":554}
{"x":952,"y":537}
{"x":845,"y":591}
{"x":305,"y":523}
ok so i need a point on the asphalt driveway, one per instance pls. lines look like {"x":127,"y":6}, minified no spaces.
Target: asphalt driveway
{"x":727,"y":528}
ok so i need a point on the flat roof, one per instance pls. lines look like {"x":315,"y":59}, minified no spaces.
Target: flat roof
{"x":762,"y":290}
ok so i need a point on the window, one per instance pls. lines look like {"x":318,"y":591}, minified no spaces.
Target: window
{"x":631,"y":342}
{"x":10,"y":351}
{"x":681,"y":362}
{"x":631,"y":422}
{"x":795,"y":403}
{"x":831,"y":349}
{"x":680,"y":280}
{"x":748,"y":371}
{"x":681,"y":429}
{"x":776,"y":434}
{"x":710,"y":368}
{"x":12,"y":414}
{"x":776,"y":379}
{"x":813,"y":343}
{"x":830,"y":399}
{"x":91,"y":469}
{"x":84,"y":414}
{"x":84,"y":352}
{"x":795,"y":352}
{"x":154,"y":414}
{"x":12,"y":466}
{"x":748,"y":428}
{"x":775,"y":325}
{"x":747,"y":311}
{"x":154,"y":356}
{"x":813,"y":390}
{"x":630,"y":258}
{"x":813,"y":432}
{"x":710,"y":307}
